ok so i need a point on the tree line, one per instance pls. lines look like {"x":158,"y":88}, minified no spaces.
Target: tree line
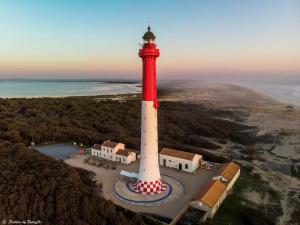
{"x":34,"y":186}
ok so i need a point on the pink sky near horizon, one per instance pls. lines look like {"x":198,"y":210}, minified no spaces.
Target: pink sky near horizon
{"x":166,"y":65}
{"x":91,"y":40}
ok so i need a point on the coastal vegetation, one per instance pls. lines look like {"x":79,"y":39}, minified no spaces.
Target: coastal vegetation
{"x":38,"y":188}
{"x":86,"y":120}
{"x":34,"y":186}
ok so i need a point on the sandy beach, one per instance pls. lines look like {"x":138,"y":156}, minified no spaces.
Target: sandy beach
{"x":275,"y":160}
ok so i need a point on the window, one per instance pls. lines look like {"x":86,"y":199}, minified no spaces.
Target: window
{"x":186,"y":166}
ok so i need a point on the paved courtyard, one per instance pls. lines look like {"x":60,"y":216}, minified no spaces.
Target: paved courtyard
{"x":109,"y":174}
{"x":174,"y":189}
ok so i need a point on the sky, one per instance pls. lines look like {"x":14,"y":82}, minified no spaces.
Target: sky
{"x":100,"y":39}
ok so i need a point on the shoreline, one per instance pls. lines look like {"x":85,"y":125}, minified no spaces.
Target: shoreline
{"x":295,"y":101}
{"x":117,"y":81}
{"x":217,"y":94}
{"x":132,"y":88}
{"x":69,"y":96}
{"x":167,"y":85}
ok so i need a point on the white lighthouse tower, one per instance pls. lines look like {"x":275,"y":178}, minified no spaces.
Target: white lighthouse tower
{"x":149,"y":181}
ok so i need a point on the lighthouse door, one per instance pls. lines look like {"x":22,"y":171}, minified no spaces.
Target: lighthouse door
{"x":164,"y":162}
{"x":180,"y":166}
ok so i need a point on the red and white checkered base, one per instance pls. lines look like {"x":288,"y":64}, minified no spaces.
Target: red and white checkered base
{"x":150,"y":187}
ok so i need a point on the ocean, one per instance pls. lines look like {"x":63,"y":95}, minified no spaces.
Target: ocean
{"x":285,"y":90}
{"x":36,"y":88}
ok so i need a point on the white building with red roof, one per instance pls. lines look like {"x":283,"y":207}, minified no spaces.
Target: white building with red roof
{"x":228,"y":173}
{"x":211,"y":196}
{"x":181,"y":160}
{"x":114,"y":151}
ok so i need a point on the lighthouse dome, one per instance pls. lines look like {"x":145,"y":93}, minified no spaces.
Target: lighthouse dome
{"x":149,"y":36}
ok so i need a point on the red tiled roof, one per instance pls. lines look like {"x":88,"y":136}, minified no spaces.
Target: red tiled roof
{"x":131,"y":150}
{"x":123,"y":152}
{"x":178,"y":154}
{"x":97,"y":146}
{"x":229,"y":170}
{"x":211,"y":193}
{"x":109,"y":144}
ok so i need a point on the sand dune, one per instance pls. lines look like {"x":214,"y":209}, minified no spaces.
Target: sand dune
{"x":270,"y":116}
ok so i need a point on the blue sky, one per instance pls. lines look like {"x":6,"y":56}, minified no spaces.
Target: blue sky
{"x":64,"y":38}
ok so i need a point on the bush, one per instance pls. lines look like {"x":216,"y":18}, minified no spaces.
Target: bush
{"x":82,"y":119}
{"x":255,"y":217}
{"x":36,"y":187}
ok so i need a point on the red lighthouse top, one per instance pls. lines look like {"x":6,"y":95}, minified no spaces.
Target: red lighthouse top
{"x":149,"y":53}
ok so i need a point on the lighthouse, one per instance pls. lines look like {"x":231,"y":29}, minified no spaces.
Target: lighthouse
{"x":149,"y":181}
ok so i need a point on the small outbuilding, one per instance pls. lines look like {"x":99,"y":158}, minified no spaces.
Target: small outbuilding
{"x":113,"y":151}
{"x":181,"y":160}
{"x":210,"y":197}
{"x":125,"y":156}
